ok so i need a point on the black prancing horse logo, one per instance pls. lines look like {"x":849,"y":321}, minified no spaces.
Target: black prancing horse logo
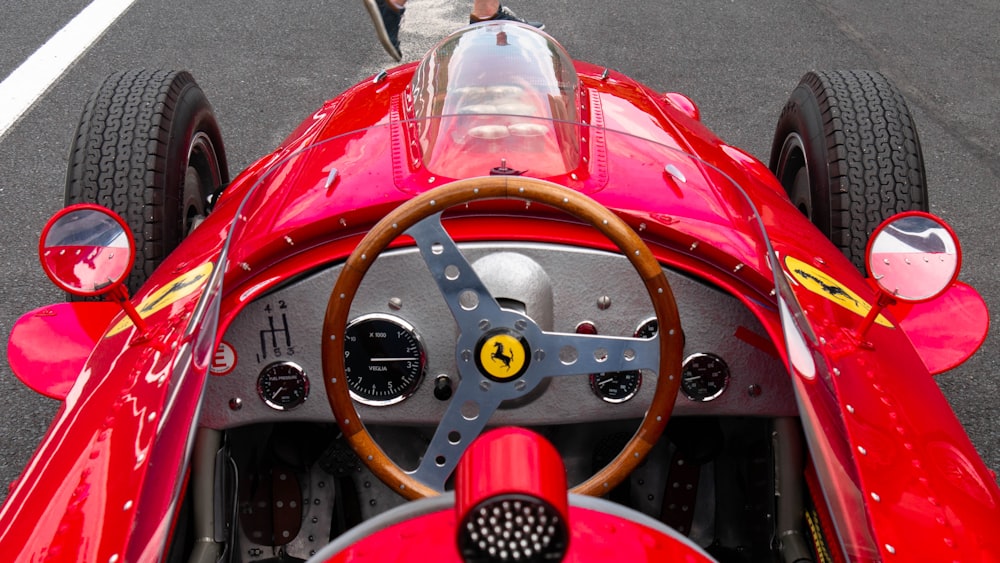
{"x":498,"y":354}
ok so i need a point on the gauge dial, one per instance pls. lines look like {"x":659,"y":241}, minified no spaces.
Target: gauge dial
{"x":283,"y":386}
{"x":647,"y":329}
{"x":704,"y":377}
{"x":616,"y":387}
{"x":620,"y":386}
{"x":384,"y":359}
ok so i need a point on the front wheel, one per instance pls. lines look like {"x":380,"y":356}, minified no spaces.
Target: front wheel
{"x":847,"y":153}
{"x":149,"y":148}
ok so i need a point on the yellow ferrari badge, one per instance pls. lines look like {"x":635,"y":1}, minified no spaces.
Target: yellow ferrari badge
{"x":181,"y":286}
{"x":502,"y":356}
{"x":825,"y":286}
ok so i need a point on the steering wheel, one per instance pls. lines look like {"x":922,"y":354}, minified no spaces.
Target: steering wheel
{"x":532,"y":354}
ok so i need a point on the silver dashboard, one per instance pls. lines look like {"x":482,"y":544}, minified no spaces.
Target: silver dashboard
{"x":559,"y":287}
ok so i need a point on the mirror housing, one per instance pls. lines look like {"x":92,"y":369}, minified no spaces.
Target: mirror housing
{"x":86,"y":250}
{"x":913,"y":256}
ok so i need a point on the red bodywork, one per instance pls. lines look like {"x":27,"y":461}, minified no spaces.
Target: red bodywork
{"x":900,"y":477}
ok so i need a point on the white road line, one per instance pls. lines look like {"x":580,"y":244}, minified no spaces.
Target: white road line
{"x":30,"y":81}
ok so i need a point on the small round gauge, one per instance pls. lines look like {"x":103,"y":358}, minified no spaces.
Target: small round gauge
{"x":616,"y":387}
{"x":647,"y":329}
{"x":283,"y":386}
{"x":620,"y":386}
{"x":704,"y":377}
{"x":384,"y":359}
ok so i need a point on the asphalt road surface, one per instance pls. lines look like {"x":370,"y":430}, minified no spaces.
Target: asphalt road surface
{"x":266,"y":65}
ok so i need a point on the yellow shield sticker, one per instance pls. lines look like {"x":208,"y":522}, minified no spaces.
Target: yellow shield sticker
{"x":502,"y":356}
{"x":182,"y":286}
{"x":823,"y":285}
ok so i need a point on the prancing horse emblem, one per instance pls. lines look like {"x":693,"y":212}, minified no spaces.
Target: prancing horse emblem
{"x":502,"y":356}
{"x":499,"y":355}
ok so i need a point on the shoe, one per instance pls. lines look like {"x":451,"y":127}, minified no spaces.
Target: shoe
{"x":386,"y":19}
{"x":505,"y":13}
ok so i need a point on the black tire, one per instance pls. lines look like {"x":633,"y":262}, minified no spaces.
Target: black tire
{"x":148,"y":147}
{"x":847,"y":153}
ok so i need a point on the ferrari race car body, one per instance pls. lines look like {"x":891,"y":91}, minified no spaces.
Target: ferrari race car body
{"x":500,"y":236}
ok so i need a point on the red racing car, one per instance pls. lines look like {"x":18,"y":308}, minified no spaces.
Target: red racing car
{"x":500,"y":305}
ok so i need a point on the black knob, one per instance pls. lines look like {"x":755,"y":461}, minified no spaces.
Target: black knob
{"x":442,"y":387}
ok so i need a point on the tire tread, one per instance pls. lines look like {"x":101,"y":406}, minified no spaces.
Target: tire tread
{"x":118,"y":158}
{"x":874,"y":156}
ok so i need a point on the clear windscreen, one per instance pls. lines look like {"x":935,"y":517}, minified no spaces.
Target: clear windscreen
{"x":499,"y":89}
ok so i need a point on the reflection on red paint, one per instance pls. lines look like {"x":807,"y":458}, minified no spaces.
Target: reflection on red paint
{"x":86,"y":267}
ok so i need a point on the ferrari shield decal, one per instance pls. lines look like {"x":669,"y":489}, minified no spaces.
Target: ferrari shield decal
{"x":823,"y":285}
{"x":182,"y":286}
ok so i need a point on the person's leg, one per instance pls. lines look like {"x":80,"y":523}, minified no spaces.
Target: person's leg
{"x":387,"y":15}
{"x":486,"y":10}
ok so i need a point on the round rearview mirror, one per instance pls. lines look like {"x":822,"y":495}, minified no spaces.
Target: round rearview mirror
{"x":86,"y":250}
{"x":914,"y":256}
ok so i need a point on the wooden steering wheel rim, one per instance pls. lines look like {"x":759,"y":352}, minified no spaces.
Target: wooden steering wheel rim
{"x":501,"y":187}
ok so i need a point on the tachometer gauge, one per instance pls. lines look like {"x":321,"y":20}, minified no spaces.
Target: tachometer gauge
{"x":384,"y":359}
{"x":283,"y":386}
{"x":704,"y":377}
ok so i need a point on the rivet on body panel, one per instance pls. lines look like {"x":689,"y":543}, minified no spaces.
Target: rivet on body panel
{"x":331,"y":178}
{"x":675,"y":172}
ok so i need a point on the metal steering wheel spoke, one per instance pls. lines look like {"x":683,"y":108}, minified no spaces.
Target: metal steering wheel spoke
{"x":578,"y":354}
{"x":463,"y":291}
{"x":469,"y":411}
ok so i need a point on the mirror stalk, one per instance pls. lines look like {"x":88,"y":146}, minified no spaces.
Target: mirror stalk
{"x":884,"y":300}
{"x":119,"y":294}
